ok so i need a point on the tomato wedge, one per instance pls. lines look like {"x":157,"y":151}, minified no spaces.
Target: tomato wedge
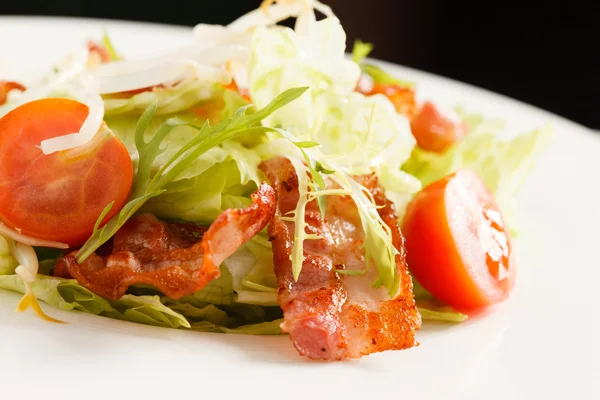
{"x":434,"y":130}
{"x":457,"y":243}
{"x":58,"y":196}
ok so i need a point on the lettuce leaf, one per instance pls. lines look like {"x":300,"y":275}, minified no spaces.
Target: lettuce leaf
{"x":7,"y":261}
{"x":180,"y":97}
{"x":261,"y":328}
{"x":253,"y":272}
{"x":149,"y":183}
{"x":357,"y":134}
{"x":67,"y":294}
{"x":208,"y":190}
{"x":229,"y":317}
{"x":432,"y":309}
{"x":281,"y":59}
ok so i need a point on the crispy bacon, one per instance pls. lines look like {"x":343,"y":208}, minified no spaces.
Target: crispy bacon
{"x":177,"y":259}
{"x":7,"y":86}
{"x":330,"y":316}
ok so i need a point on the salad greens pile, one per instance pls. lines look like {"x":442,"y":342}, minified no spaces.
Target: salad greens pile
{"x":196,"y":147}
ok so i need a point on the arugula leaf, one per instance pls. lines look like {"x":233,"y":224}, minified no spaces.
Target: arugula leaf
{"x":148,"y":185}
{"x":7,"y":261}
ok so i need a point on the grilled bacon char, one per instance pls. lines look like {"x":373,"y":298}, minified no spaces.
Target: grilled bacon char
{"x":178,"y":259}
{"x":331,"y":316}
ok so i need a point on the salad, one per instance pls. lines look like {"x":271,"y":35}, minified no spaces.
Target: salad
{"x":256,"y":181}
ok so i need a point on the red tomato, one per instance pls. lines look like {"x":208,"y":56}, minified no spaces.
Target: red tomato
{"x":7,"y":86}
{"x":58,"y":196}
{"x":457,"y":244}
{"x":402,"y":97}
{"x":435,"y":131}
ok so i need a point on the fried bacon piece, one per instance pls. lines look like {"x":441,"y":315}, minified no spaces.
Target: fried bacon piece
{"x":177,"y":259}
{"x":7,"y":86}
{"x":330,"y":316}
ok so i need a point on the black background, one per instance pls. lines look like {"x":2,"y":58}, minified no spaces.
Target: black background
{"x":544,"y":53}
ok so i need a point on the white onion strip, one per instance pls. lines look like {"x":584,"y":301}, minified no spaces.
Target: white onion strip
{"x":131,"y":75}
{"x":90,"y":127}
{"x":28,"y":261}
{"x":27,"y":271}
{"x":17,"y":237}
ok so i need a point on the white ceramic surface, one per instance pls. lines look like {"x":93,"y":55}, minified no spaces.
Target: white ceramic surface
{"x":542,"y":343}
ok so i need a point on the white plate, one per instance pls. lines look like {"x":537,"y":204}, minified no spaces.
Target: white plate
{"x":542,"y":343}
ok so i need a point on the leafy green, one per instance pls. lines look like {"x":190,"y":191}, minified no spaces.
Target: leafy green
{"x":67,"y":294}
{"x":261,"y":328}
{"x":357,"y":134}
{"x":432,"y":309}
{"x":201,"y":198}
{"x":178,"y":98}
{"x":253,"y":272}
{"x":442,"y":315}
{"x":148,"y":184}
{"x":7,"y":261}
{"x":218,"y":291}
{"x":280,"y":59}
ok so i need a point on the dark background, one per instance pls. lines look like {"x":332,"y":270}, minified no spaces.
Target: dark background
{"x":545,"y":53}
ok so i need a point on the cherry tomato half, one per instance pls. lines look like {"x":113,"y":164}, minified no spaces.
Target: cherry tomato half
{"x":434,"y":130}
{"x":61,"y":195}
{"x":457,"y":243}
{"x":403,"y":98}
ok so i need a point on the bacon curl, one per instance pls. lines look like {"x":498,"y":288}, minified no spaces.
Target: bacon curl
{"x":177,"y":259}
{"x":330,"y":316}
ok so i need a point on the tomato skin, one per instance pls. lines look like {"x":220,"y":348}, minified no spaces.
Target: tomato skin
{"x":435,"y":131}
{"x":402,"y":97}
{"x":58,"y":196}
{"x":457,"y":245}
{"x":7,"y":86}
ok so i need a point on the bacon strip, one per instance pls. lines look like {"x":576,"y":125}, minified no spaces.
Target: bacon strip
{"x":177,"y":259}
{"x":7,"y":86}
{"x":331,"y":316}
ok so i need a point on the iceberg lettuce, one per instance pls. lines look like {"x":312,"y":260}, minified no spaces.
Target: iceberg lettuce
{"x":357,"y":134}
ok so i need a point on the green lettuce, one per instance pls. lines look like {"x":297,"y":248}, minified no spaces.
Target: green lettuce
{"x":357,"y":134}
{"x":432,"y":309}
{"x":7,"y":261}
{"x":150,"y":183}
{"x":208,"y":190}
{"x":228,"y":317}
{"x":180,"y":97}
{"x":67,"y":294}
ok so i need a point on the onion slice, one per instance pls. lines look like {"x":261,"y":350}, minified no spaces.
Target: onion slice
{"x":90,"y":127}
{"x":18,"y":237}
